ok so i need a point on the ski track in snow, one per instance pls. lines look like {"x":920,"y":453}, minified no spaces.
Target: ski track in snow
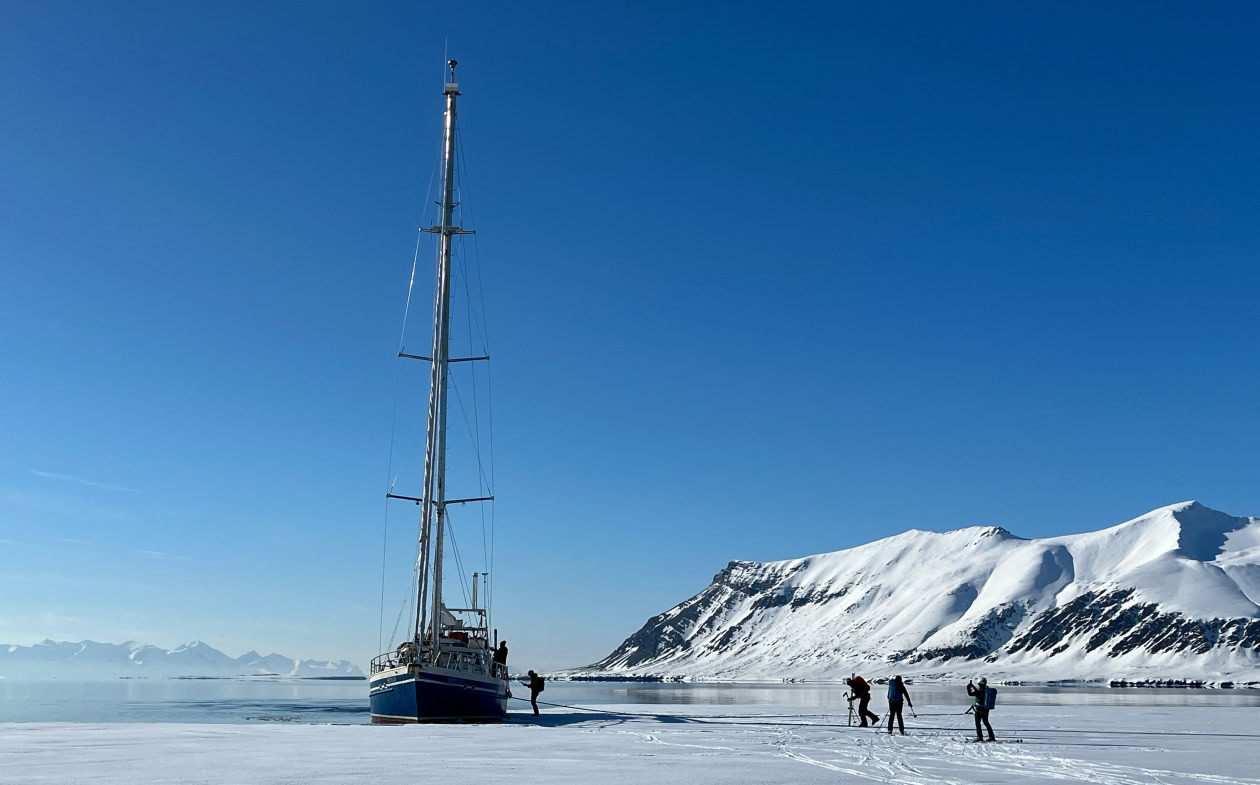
{"x":940,"y":757}
{"x":685,"y":744}
{"x":944,"y":760}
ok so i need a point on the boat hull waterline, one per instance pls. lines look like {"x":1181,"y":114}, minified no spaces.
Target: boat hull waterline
{"x":434,"y":695}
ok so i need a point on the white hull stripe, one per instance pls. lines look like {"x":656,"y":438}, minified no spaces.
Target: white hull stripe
{"x":462,"y":680}
{"x":391,"y":685}
{"x":436,"y":674}
{"x":388,"y":687}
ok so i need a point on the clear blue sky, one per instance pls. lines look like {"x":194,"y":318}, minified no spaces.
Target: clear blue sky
{"x":761,"y":281}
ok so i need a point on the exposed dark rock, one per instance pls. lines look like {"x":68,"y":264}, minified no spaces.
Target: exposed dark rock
{"x":1118,"y":627}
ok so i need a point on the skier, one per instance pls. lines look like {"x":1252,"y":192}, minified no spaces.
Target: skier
{"x":897,"y":692}
{"x":535,"y":684}
{"x":979,"y":704}
{"x":859,"y":689}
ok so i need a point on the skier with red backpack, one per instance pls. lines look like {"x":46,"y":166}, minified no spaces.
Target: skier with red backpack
{"x":858,"y":688}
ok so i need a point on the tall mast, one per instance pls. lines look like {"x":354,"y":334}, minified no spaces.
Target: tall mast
{"x":435,"y":444}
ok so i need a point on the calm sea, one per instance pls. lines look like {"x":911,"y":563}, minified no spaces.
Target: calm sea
{"x":247,"y":700}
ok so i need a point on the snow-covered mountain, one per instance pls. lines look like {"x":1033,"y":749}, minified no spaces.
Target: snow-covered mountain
{"x":92,"y":660}
{"x":1172,"y":594}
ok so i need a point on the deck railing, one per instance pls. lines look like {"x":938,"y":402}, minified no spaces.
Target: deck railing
{"x":410,"y":656}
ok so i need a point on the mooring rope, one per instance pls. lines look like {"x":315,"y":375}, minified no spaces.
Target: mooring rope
{"x":605,"y":711}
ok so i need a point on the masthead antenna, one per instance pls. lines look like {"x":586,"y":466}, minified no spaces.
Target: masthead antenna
{"x":452,"y":87}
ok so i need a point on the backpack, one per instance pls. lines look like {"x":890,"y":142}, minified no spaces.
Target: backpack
{"x":990,"y":698}
{"x":894,"y":693}
{"x":860,"y":687}
{"x":542,"y":684}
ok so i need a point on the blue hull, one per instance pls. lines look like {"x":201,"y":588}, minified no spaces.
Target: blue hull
{"x":428,"y":696}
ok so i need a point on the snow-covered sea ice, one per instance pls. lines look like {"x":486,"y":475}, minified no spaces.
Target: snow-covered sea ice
{"x":1113,"y":745}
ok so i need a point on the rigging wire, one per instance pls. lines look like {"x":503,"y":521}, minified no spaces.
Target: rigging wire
{"x":411,"y":282}
{"x":476,"y":322}
{"x":428,"y":191}
{"x":481,"y":485}
{"x":482,"y":327}
{"x":413,"y":611}
{"x":485,"y":550}
{"x":416,"y":430}
{"x":459,"y":563}
{"x":474,"y":427}
{"x":468,"y":427}
{"x":393,"y":636}
{"x":391,"y":479}
{"x":490,"y":413}
{"x":380,"y":624}
{"x":485,"y":339}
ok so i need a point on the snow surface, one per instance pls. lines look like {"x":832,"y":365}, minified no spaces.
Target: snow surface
{"x":733,"y":745}
{"x":948,"y":603}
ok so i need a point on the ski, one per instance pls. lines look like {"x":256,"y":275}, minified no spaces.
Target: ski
{"x":994,"y":741}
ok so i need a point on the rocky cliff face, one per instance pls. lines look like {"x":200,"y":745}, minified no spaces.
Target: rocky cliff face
{"x":1172,"y":594}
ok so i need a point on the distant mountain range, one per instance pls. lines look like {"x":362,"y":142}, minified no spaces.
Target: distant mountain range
{"x":1170,"y":595}
{"x":92,"y":660}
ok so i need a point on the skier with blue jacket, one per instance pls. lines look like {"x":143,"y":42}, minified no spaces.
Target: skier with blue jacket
{"x":982,"y":701}
{"x":897,"y":693}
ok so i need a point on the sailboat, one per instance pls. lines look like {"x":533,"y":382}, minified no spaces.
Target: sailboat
{"x":446,"y":670}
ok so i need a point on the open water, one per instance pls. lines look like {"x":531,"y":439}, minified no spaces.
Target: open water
{"x":305,"y":701}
